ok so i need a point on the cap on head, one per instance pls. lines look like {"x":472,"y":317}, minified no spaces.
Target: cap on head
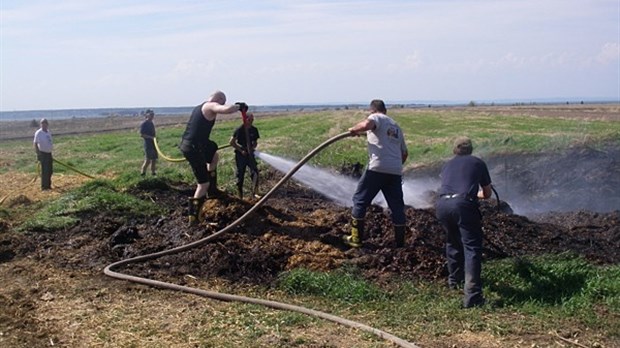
{"x":462,"y":146}
{"x":44,"y":120}
{"x":149,"y":112}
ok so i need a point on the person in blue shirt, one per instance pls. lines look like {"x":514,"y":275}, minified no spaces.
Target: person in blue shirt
{"x":464,"y":180}
{"x":147,"y":132}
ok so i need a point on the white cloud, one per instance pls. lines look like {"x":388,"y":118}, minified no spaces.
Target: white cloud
{"x":610,"y":52}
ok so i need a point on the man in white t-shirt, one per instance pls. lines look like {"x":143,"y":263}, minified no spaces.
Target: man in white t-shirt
{"x":387,"y":152}
{"x":43,"y":147}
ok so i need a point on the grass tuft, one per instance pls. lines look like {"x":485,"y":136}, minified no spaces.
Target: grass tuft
{"x":341,"y":285}
{"x":96,"y":196}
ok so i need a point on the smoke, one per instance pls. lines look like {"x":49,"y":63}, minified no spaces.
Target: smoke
{"x":577,"y":179}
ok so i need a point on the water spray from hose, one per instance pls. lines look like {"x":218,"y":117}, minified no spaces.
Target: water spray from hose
{"x":109,"y":270}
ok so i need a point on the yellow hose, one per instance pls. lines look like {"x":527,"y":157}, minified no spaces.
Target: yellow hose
{"x":170,"y":159}
{"x":34,"y":179}
{"x":161,"y":154}
{"x":73,"y":169}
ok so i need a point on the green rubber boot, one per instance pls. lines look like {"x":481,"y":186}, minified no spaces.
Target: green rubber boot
{"x":357,"y":233}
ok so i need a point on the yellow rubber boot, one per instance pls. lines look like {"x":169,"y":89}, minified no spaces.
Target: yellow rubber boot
{"x":194,"y":206}
{"x":357,"y":233}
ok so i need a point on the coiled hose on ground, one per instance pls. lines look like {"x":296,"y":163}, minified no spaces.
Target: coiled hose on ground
{"x":109,"y":270}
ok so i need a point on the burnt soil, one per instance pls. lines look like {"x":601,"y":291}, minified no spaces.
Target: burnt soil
{"x":297,"y":227}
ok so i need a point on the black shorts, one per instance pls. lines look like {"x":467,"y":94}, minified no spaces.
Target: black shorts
{"x":198,"y":156}
{"x":150,"y":152}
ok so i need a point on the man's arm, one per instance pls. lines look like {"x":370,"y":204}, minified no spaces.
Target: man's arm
{"x":485,"y":192}
{"x":233,"y":142}
{"x":211,"y":109}
{"x":35,"y":144}
{"x":403,"y":149}
{"x":362,"y":127}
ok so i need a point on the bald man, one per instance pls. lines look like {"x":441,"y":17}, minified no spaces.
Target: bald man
{"x":201,"y":152}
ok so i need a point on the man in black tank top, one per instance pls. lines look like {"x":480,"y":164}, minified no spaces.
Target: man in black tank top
{"x":201,"y":152}
{"x":464,"y":180}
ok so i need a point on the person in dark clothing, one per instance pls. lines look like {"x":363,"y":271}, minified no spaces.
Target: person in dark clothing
{"x":244,"y":140}
{"x":43,"y":146}
{"x":201,"y":152}
{"x":147,"y":132}
{"x":464,"y":180}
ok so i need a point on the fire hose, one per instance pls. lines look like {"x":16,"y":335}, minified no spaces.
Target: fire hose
{"x":170,"y":159}
{"x":109,"y":270}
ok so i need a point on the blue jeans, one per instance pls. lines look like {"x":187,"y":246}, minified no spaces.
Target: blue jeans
{"x":369,"y":186}
{"x":461,"y":220}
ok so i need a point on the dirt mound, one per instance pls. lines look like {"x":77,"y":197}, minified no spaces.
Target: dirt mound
{"x":295,"y":228}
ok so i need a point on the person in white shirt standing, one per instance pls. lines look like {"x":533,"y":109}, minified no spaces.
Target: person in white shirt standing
{"x":43,"y":146}
{"x":387,"y":152}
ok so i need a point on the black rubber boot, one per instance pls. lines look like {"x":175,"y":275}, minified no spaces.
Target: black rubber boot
{"x":240,"y":191}
{"x":255,"y":186}
{"x":212,"y":191}
{"x":357,"y":233}
{"x":399,"y":235}
{"x":194,"y":206}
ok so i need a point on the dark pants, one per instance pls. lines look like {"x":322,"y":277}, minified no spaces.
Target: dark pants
{"x":369,"y":186}
{"x":461,"y":220}
{"x":242,"y":162}
{"x":150,"y":151}
{"x":47,"y":168}
{"x":198,"y":156}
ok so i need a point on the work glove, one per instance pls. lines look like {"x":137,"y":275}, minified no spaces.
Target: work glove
{"x":243,"y":107}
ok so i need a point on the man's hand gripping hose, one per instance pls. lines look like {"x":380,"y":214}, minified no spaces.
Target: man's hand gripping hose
{"x":109,"y":270}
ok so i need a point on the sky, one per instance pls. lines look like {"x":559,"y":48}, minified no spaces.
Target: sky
{"x":114,"y":53}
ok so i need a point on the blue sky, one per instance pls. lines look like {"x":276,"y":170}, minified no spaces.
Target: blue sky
{"x":113,"y":53}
